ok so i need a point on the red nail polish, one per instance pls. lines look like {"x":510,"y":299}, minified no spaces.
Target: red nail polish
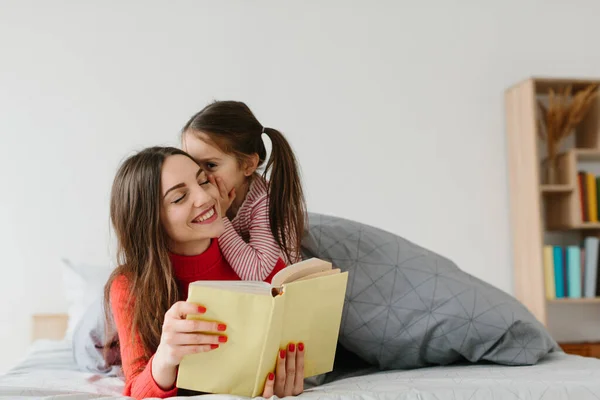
{"x":291,"y":347}
{"x":282,"y":354}
{"x":201,"y":309}
{"x":271,"y":376}
{"x":222,"y":339}
{"x":300,"y":346}
{"x":214,"y":346}
{"x":222,"y":327}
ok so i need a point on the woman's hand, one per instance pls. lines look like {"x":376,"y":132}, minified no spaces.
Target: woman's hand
{"x":225,"y":198}
{"x":288,"y":379}
{"x":181,"y":337}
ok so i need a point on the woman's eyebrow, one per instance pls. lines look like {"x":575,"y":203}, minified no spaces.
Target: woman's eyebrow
{"x":180,"y":185}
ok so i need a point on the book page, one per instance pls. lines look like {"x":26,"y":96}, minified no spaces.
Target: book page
{"x":256,"y":287}
{"x":312,"y":315}
{"x":299,"y":270}
{"x":232,"y":368}
{"x":318,"y":274}
{"x":271,"y":347}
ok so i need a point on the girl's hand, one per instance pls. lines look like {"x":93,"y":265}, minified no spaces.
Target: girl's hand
{"x":225,"y":198}
{"x":181,"y":336}
{"x":288,"y":379}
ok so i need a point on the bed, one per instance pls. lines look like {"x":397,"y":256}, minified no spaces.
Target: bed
{"x":48,"y":371}
{"x":406,"y":307}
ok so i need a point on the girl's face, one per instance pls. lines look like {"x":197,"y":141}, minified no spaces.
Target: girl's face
{"x":189,"y":206}
{"x":215,"y":162}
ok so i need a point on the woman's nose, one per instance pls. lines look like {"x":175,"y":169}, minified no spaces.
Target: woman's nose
{"x":201,"y":197}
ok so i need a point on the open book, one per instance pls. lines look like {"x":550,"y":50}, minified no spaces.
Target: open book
{"x":303,"y":303}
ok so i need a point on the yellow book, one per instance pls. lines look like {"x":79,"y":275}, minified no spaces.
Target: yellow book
{"x":549,"y":272}
{"x":592,"y":197}
{"x":303,"y":303}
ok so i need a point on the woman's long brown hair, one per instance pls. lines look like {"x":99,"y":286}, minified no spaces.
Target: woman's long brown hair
{"x":142,"y":255}
{"x":232,"y":126}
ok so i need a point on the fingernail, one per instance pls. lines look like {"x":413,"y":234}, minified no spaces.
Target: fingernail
{"x":271,"y":376}
{"x":291,"y":347}
{"x":214,"y":346}
{"x":222,"y":339}
{"x":281,"y":354}
{"x":222,"y":327}
{"x":201,"y":309}
{"x":300,"y":346}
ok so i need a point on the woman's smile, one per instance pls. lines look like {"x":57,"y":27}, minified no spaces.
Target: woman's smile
{"x":206,"y":217}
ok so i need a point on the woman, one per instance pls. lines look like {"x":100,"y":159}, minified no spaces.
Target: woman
{"x":166,"y":216}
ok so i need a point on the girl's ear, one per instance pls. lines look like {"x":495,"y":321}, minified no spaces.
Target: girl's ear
{"x":251,"y":164}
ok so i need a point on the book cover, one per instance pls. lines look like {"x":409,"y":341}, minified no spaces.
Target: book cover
{"x":598,"y":275}
{"x":582,"y":261}
{"x":598,"y":197}
{"x":559,"y":277}
{"x":303,"y":304}
{"x":582,"y":182}
{"x":549,"y":273}
{"x":573,"y":272}
{"x":591,"y":245}
{"x":592,"y":200}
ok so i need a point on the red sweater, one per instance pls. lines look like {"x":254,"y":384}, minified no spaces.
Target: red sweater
{"x":210,"y":265}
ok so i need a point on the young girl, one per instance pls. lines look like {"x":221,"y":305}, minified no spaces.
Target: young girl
{"x":264,"y":220}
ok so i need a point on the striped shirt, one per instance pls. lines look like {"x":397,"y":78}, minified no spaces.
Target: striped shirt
{"x":247,"y":243}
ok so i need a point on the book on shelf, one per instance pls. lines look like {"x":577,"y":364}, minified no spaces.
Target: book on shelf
{"x":591,"y":245}
{"x":592,"y":198}
{"x":589,"y":194}
{"x":572,"y":271}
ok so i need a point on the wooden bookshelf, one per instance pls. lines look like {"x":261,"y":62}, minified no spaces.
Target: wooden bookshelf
{"x":592,"y":300}
{"x":556,"y":189}
{"x":582,"y":349}
{"x":536,"y":208}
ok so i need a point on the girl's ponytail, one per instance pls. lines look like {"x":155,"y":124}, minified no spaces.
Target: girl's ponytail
{"x":287,"y":206}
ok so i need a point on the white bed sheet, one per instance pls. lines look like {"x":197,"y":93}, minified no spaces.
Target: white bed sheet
{"x":49,"y":372}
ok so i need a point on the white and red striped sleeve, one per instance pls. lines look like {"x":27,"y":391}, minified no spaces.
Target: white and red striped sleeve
{"x":256,"y":259}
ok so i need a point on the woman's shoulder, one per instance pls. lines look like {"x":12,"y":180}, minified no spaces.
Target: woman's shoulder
{"x":119,"y":287}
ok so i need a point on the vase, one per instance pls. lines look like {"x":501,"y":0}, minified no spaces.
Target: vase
{"x":550,"y":172}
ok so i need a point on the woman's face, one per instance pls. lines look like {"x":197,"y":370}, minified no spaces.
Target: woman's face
{"x":189,"y":206}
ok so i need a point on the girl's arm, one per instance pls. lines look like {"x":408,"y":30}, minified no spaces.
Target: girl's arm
{"x":256,"y":259}
{"x":139,"y":382}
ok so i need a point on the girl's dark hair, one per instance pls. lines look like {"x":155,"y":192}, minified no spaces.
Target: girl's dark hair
{"x":142,"y":255}
{"x":232,"y":126}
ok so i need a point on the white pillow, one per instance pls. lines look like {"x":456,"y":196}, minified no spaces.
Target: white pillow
{"x":82,"y":284}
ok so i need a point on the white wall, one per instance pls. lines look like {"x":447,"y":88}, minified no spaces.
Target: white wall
{"x":395,"y":110}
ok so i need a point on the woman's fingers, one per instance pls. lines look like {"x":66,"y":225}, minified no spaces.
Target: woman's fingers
{"x":193,"y":326}
{"x":269,"y":390}
{"x":280,"y":373}
{"x":299,"y":379}
{"x":197,"y":339}
{"x":185,"y":350}
{"x":182,"y":309}
{"x":290,"y":369}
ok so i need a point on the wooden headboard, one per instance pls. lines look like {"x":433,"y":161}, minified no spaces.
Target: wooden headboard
{"x":49,"y":326}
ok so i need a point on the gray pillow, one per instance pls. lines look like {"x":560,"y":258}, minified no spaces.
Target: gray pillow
{"x":407,"y":307}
